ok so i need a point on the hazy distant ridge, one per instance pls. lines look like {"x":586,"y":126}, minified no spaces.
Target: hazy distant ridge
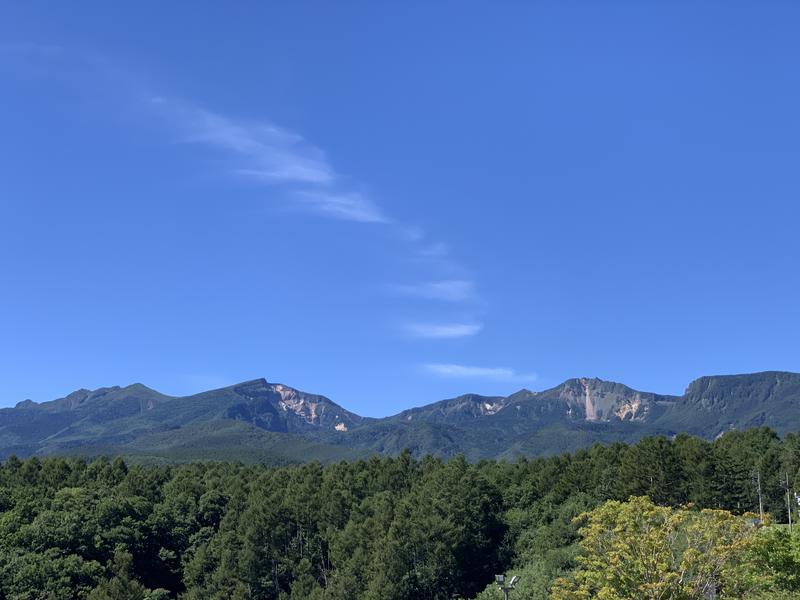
{"x":261,"y":421}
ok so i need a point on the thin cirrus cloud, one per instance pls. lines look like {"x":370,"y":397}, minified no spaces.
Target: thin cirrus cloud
{"x":271,"y":155}
{"x":267,"y":152}
{"x":470,"y":372}
{"x":450,"y":290}
{"x":275,"y":156}
{"x":442,"y":330}
{"x":350,"y":206}
{"x":278,"y":157}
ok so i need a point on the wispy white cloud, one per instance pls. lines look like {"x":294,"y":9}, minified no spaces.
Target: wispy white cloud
{"x":451,"y":290}
{"x":275,"y":156}
{"x":350,"y":206}
{"x":471,"y":372}
{"x":265,"y":151}
{"x":442,"y":330}
{"x":272,"y":155}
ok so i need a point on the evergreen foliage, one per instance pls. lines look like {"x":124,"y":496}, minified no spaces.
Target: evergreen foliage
{"x":380,"y":528}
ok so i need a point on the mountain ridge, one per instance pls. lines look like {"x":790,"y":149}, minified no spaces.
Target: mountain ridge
{"x":257,"y":420}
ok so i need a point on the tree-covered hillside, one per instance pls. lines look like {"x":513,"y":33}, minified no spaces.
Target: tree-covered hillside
{"x":261,"y":422}
{"x":388,"y":528}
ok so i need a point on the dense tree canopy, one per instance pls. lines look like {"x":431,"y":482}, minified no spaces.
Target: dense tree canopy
{"x":638,"y":550}
{"x":388,"y":528}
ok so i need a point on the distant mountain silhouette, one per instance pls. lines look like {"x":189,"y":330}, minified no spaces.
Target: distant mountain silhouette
{"x":274,"y":423}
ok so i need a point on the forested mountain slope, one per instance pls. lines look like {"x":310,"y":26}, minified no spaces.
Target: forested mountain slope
{"x":257,"y":421}
{"x":254,"y":420}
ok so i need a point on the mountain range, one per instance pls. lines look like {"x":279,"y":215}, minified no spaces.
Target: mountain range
{"x":258,"y":421}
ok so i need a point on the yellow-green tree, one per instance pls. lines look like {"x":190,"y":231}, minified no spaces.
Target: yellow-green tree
{"x":637,"y":550}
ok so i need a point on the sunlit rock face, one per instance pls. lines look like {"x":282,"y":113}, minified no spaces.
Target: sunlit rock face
{"x":598,"y":400}
{"x":278,"y":407}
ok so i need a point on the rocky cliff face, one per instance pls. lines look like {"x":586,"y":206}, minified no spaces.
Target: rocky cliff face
{"x":277,"y":407}
{"x":734,"y":392}
{"x":715,"y":404}
{"x":592,"y":400}
{"x":598,"y":400}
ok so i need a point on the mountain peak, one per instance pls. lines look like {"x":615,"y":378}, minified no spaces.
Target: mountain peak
{"x":279,"y":407}
{"x":461,"y":409}
{"x":135,"y":388}
{"x":521,"y":394}
{"x":258,"y":383}
{"x":244,"y":417}
{"x":594,"y":399}
{"x":83,"y":397}
{"x":593,"y":382}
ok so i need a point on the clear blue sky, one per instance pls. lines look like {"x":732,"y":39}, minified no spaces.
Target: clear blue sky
{"x":394,"y":203}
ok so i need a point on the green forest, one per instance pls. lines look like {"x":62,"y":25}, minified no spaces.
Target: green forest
{"x":661,"y":519}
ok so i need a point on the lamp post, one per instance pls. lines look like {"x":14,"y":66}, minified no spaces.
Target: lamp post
{"x":506,"y":588}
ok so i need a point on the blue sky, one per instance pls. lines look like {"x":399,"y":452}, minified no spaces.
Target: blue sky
{"x":392,"y":204}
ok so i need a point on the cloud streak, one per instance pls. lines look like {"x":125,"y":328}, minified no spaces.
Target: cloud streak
{"x":267,"y":152}
{"x":273,"y":156}
{"x":442,"y":330}
{"x":450,"y":290}
{"x":349,"y":206}
{"x":470,"y":372}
